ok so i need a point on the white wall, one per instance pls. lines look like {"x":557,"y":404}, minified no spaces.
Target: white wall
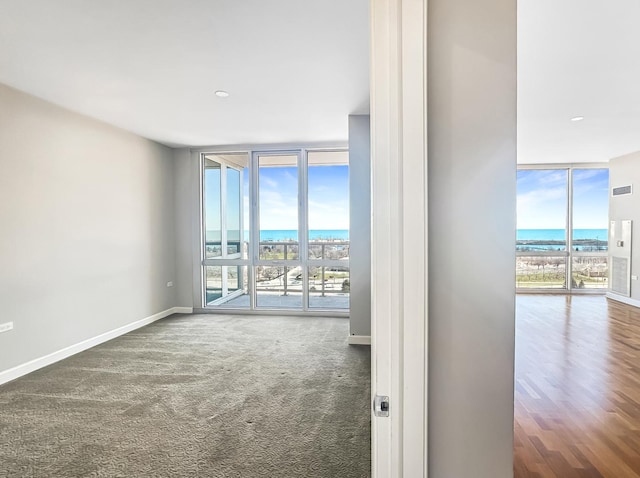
{"x":360,"y":224}
{"x":186,"y":186}
{"x":624,"y":171}
{"x":87,"y":228}
{"x":472,"y":222}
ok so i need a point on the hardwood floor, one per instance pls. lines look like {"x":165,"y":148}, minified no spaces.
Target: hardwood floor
{"x":577,"y":397}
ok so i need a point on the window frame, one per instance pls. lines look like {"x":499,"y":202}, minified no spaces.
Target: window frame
{"x":253,"y":260}
{"x":568,"y":254}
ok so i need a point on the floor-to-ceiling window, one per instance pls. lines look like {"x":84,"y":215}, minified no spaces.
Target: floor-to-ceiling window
{"x":328,"y":230}
{"x":278,"y":265}
{"x":562,"y":235}
{"x":225,"y":228}
{"x":276,"y":230}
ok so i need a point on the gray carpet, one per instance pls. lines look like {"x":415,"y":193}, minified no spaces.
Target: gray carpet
{"x":196,"y":396}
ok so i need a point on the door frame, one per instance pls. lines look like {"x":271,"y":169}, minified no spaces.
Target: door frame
{"x":226,"y":260}
{"x":254,"y":195}
{"x":399,"y":329}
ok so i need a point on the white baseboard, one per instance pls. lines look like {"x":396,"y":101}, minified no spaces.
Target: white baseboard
{"x":182,"y":310}
{"x":54,"y":357}
{"x":623,"y":299}
{"x":359,"y":340}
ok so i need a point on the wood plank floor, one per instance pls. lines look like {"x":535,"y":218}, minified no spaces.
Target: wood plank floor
{"x":577,"y":397}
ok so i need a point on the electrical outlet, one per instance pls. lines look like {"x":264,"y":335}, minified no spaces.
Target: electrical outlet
{"x":170,"y":284}
{"x":7,"y":326}
{"x":634,"y":277}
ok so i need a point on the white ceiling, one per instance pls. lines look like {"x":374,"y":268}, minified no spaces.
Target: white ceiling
{"x":578,"y":58}
{"x":294,"y":69}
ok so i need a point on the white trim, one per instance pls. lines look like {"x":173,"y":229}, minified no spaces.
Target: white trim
{"x":568,"y":233}
{"x":275,"y":147}
{"x":413,"y":191}
{"x":624,"y":300}
{"x":385,"y":432}
{"x":182,"y":310}
{"x":303,"y":224}
{"x":220,"y":310}
{"x":399,"y":287}
{"x":197,"y":229}
{"x":563,"y":166}
{"x":54,"y":357}
{"x":359,"y":340}
{"x":537,"y":291}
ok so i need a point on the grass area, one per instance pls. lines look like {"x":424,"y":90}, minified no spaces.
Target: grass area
{"x":278,"y":256}
{"x":557,"y":280}
{"x":542,"y":278}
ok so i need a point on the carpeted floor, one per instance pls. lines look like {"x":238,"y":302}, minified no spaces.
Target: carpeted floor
{"x":197,"y":396}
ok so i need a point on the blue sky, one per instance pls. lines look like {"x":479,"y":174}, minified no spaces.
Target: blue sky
{"x":542,"y":199}
{"x":278,"y":198}
{"x":328,"y":197}
{"x":278,"y":192}
{"x":212,"y":202}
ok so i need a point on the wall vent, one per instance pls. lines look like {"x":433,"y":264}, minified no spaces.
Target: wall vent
{"x":620,"y":276}
{"x":621,"y":191}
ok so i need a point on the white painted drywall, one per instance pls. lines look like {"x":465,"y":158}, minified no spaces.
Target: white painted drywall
{"x":183,"y":175}
{"x":472,"y":222}
{"x":625,"y":171}
{"x":87,"y":227}
{"x":360,"y":224}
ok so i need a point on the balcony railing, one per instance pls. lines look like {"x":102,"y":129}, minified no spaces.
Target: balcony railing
{"x":325,"y":275}
{"x":278,"y":278}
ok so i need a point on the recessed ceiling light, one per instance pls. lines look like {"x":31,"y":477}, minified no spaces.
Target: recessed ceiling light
{"x":222,"y":94}
{"x":577,"y":118}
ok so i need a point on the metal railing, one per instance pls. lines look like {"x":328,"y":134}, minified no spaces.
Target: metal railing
{"x":289,"y":250}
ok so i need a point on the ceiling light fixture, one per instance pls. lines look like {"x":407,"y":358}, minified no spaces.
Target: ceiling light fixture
{"x":222,"y":94}
{"x":577,"y":118}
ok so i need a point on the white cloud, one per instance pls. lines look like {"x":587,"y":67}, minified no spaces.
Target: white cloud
{"x":329,"y":214}
{"x":542,"y":209}
{"x":267,"y":183}
{"x":278,"y":210}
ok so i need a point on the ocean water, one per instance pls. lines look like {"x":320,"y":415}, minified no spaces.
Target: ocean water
{"x":314,"y":234}
{"x":558,"y":234}
{"x":343,"y":234}
{"x":554,"y":239}
{"x":540,"y":236}
{"x":279,"y":235}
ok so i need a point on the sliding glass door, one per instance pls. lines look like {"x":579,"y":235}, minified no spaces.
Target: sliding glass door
{"x":226,"y":245}
{"x":276,"y":230}
{"x":278,"y":268}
